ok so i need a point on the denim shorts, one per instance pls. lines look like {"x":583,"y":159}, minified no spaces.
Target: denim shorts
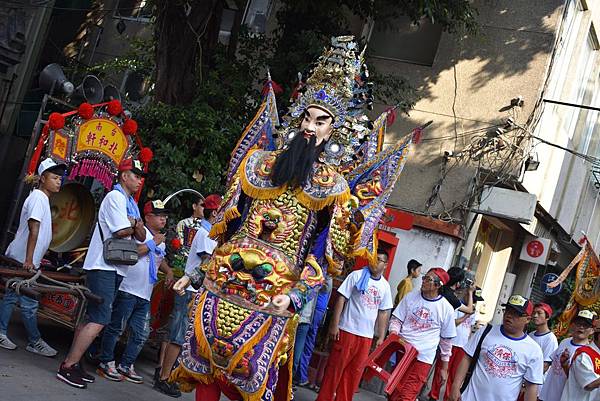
{"x":105,"y":284}
{"x":179,"y":318}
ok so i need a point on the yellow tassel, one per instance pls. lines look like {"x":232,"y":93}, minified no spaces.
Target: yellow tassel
{"x":217,"y":229}
{"x":260,"y":193}
{"x":320,"y":203}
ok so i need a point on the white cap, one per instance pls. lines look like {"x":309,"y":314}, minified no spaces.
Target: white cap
{"x":48,"y":164}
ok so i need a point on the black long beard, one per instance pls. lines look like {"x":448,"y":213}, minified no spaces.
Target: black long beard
{"x":294,"y":165}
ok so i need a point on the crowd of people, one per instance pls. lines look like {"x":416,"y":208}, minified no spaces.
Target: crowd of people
{"x":470,"y":363}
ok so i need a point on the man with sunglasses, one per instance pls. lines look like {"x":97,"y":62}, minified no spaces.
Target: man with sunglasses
{"x":508,"y":358}
{"x":424,"y":319}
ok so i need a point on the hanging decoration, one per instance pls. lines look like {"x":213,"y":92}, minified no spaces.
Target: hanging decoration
{"x":92,"y":140}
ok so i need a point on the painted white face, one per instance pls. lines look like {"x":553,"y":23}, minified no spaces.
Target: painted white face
{"x":317,"y":123}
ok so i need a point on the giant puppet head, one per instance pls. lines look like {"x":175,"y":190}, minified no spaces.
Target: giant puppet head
{"x":327,"y":121}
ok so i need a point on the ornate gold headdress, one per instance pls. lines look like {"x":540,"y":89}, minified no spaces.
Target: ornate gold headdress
{"x":337,"y":84}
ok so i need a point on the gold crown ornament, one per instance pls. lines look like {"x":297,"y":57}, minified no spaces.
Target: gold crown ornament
{"x":338,"y":85}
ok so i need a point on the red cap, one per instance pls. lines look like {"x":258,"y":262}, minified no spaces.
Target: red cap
{"x":212,"y":202}
{"x":135,"y":166}
{"x":547,"y":308}
{"x":441,"y":273}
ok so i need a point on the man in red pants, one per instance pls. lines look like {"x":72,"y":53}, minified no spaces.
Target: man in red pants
{"x":363,"y":297}
{"x":464,"y":324}
{"x":425,"y":320}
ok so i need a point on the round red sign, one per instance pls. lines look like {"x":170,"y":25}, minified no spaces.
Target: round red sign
{"x":535,"y":249}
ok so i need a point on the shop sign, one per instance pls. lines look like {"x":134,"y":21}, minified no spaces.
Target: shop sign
{"x":394,"y":218}
{"x":535,"y":250}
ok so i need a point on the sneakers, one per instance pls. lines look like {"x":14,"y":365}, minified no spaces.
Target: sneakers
{"x":109,"y":371}
{"x":6,"y":343}
{"x":70,"y":376}
{"x":166,"y":388}
{"x":40,"y":347}
{"x":130,"y":374}
{"x":85,"y":376}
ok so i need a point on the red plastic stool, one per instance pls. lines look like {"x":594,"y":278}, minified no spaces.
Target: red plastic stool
{"x":405,"y":355}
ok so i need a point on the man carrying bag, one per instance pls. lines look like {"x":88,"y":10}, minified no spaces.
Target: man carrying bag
{"x":118,"y":218}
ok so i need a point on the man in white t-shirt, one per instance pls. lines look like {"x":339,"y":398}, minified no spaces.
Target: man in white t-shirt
{"x":542,"y":335}
{"x":583,"y":383}
{"x":581,"y":329}
{"x":28,"y":247}
{"x":464,"y":324}
{"x":119,"y":217}
{"x":201,"y":249}
{"x":424,"y":319}
{"x":363,"y":297}
{"x":508,"y":359}
{"x":132,"y":304}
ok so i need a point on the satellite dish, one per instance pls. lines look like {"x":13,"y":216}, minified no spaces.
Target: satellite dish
{"x":90,"y":90}
{"x":52,"y":79}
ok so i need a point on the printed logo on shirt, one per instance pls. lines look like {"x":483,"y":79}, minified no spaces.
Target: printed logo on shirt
{"x":557,"y":368}
{"x":420,"y":318}
{"x":500,"y":361}
{"x":371,"y":298}
{"x":468,"y":322}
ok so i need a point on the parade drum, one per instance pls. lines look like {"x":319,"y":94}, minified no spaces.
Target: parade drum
{"x":73,"y":213}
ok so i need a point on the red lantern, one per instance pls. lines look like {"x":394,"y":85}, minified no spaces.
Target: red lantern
{"x":114,"y":108}
{"x":146,"y":155}
{"x":86,"y":111}
{"x":56,"y":121}
{"x":130,"y":127}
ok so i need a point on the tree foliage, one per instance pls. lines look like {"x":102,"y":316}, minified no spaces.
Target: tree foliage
{"x":204,"y":93}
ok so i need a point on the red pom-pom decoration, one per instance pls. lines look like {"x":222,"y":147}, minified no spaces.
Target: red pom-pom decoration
{"x":114,"y":108}
{"x":175,"y":243}
{"x":146,"y":155}
{"x":86,"y":111}
{"x":130,"y":127}
{"x":56,"y":121}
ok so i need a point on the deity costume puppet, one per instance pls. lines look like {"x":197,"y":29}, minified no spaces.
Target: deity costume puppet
{"x":296,"y":207}
{"x":586,"y":292}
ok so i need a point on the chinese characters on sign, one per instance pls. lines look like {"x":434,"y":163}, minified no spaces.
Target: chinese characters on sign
{"x":103,"y":136}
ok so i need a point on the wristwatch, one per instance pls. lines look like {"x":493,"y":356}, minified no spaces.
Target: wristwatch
{"x":134,"y":223}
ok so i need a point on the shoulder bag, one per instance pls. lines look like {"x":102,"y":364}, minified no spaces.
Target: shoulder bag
{"x":118,"y":251}
{"x":474,"y":359}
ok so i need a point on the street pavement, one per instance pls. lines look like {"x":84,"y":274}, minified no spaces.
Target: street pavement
{"x":28,"y":377}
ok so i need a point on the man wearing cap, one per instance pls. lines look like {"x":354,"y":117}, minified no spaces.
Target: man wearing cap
{"x":508,"y":359}
{"x":583,"y":383}
{"x":464,"y":324}
{"x":581,"y":329}
{"x":542,"y":335}
{"x":201,"y":248}
{"x":132,"y":304}
{"x":119,"y":217}
{"x":31,"y":242}
{"x":425,"y":320}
